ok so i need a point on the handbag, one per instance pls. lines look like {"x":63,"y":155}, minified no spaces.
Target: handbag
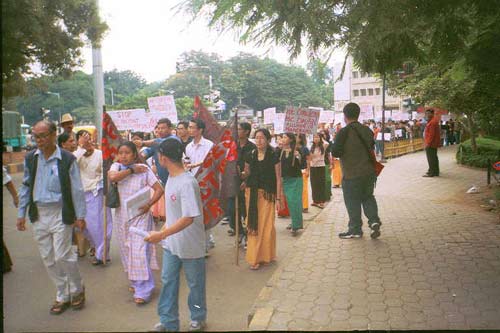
{"x":112,"y":196}
{"x":376,"y":164}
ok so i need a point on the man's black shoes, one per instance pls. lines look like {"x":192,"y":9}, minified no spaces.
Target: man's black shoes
{"x":375,"y":233}
{"x":350,"y":234}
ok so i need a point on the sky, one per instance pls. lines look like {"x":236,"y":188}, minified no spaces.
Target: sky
{"x":148,"y":37}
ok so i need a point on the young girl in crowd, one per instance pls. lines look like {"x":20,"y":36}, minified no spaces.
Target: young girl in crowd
{"x":318,"y":173}
{"x":305,"y":166}
{"x":291,"y":173}
{"x":138,"y":257}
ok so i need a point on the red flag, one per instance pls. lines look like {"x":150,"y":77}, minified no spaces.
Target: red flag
{"x":213,"y":131}
{"x":110,"y":141}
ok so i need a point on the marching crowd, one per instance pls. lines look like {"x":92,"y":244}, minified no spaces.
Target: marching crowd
{"x":62,"y":193}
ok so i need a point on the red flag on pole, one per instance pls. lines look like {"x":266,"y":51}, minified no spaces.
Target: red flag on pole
{"x":217,"y":175}
{"x":110,"y":141}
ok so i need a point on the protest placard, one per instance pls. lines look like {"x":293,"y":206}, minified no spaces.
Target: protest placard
{"x":137,"y":120}
{"x":269,"y":114}
{"x":398,"y":133}
{"x":127,"y":119}
{"x":165,"y":104}
{"x":339,"y":118}
{"x":279,"y":123}
{"x":326,"y":116}
{"x":301,"y":120}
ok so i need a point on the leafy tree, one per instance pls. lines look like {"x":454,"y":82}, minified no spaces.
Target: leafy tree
{"x":123,"y":83}
{"x":46,"y":32}
{"x":382,"y":35}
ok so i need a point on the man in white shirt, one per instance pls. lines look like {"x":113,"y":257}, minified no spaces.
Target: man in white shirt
{"x":89,"y":161}
{"x":196,"y":151}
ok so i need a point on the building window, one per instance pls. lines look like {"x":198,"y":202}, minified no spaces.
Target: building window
{"x":363,"y":92}
{"x":354,"y":75}
{"x":370,"y":92}
{"x":377,"y":91}
{"x":355,"y":92}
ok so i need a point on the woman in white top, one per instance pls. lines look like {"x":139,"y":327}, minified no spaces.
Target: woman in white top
{"x":318,"y":180}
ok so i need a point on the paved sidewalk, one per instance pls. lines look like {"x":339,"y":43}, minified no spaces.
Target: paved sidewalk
{"x":436,"y":265}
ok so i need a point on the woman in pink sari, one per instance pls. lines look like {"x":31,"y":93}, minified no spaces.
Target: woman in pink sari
{"x":138,"y":257}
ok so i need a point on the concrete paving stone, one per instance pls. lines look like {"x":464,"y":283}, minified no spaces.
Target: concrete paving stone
{"x":286,"y":307}
{"x":398,"y":323}
{"x":281,"y":318}
{"x":415,"y":317}
{"x":274,"y":326}
{"x":412,"y":307}
{"x":299,"y":325}
{"x":377,"y":306}
{"x":393,"y":302}
{"x":378,"y":316}
{"x":424,"y":294}
{"x":303,"y":314}
{"x":340,"y":315}
{"x":324,"y":300}
{"x":379,"y":325}
{"x":307,"y":297}
{"x":339,"y":325}
{"x":358,"y":322}
{"x":322,"y":318}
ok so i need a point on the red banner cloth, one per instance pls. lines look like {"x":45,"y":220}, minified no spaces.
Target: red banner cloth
{"x":110,"y":142}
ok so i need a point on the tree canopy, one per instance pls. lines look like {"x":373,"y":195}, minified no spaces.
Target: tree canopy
{"x":457,"y":40}
{"x":45,"y":33}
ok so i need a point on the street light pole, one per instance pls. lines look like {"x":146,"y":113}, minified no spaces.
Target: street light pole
{"x":59,"y":100}
{"x":382,"y":157}
{"x":112,"y":96}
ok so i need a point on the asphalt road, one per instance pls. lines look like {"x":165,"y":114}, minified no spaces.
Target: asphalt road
{"x":28,"y":292}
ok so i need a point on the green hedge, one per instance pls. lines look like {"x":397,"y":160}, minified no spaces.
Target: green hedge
{"x":488,"y":148}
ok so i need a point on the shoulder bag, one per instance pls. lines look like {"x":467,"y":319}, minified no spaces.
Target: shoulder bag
{"x":376,"y":164}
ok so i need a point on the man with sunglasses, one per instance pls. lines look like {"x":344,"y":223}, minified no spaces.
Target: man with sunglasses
{"x":52,"y":195}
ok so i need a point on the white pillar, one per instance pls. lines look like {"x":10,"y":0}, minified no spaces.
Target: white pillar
{"x":98,"y":88}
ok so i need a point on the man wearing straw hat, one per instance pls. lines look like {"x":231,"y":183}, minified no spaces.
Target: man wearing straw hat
{"x":67,"y":123}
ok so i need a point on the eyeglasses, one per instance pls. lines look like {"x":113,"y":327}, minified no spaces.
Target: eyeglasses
{"x":41,"y":135}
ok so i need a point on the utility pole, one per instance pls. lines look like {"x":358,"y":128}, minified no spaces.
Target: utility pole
{"x":382,"y":157}
{"x":98,"y":84}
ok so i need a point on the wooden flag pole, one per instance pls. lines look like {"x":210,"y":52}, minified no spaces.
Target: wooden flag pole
{"x":237,"y":227}
{"x":105,"y":250}
{"x":105,"y":220}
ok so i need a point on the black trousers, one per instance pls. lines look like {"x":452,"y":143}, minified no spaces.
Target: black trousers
{"x":432,"y":160}
{"x":318,"y":183}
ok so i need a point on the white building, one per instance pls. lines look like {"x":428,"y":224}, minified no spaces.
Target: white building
{"x":365,"y":90}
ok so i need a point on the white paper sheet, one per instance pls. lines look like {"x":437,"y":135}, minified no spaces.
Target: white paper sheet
{"x":137,"y":201}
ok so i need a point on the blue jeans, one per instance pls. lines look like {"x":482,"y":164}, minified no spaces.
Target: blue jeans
{"x":358,"y":192}
{"x":168,"y":304}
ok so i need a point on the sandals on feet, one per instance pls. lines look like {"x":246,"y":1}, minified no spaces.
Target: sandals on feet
{"x":59,"y":307}
{"x":255,"y":267}
{"x":131,"y":289}
{"x":140,"y":301}
{"x":288,"y":227}
{"x":78,"y":301}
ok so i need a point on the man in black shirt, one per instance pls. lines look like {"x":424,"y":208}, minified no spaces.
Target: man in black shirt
{"x":245,"y":147}
{"x":354,"y":145}
{"x":182,"y":133}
